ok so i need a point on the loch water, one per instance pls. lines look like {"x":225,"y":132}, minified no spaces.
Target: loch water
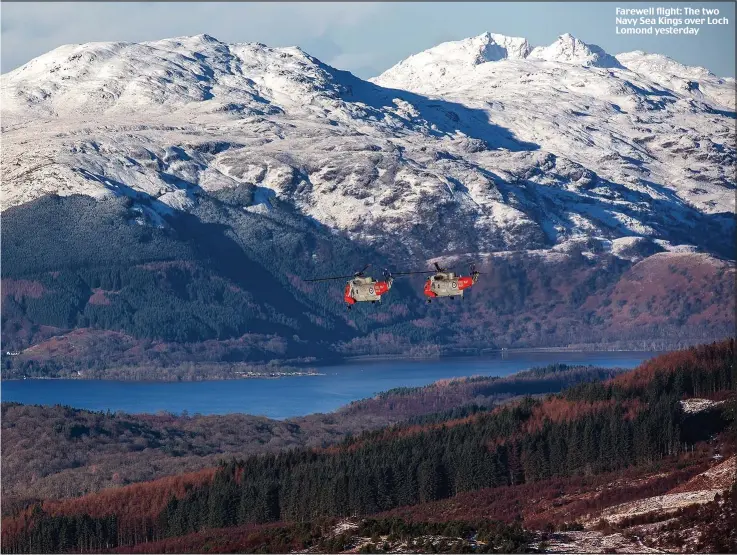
{"x":289,"y":396}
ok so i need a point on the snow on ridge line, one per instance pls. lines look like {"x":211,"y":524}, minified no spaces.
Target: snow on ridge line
{"x":631,"y":58}
{"x":494,"y":47}
{"x":95,"y":50}
{"x":607,"y":151}
{"x":569,"y":49}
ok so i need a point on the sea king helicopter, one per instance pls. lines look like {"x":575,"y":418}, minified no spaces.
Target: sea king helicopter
{"x":362,"y":288}
{"x":443,"y":283}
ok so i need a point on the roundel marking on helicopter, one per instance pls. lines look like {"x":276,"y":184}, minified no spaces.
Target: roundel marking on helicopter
{"x":455,"y":284}
{"x":371,"y":290}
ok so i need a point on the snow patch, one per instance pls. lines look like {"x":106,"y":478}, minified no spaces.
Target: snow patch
{"x":693,"y":406}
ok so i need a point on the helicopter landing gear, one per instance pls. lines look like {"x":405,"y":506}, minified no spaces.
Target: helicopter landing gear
{"x":373,"y":302}
{"x":429,"y":301}
{"x":349,"y":307}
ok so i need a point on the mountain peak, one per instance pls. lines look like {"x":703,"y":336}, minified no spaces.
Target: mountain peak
{"x":206,"y":38}
{"x":201,"y":37}
{"x":475,"y":129}
{"x":569,"y":49}
{"x":164,"y":76}
{"x":487,"y":47}
{"x":493,"y":47}
{"x":513,"y":47}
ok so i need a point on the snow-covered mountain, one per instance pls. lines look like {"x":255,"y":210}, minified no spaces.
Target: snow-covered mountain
{"x":480,"y":145}
{"x":569,"y":49}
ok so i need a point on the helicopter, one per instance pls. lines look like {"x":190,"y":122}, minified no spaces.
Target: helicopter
{"x":362,"y":288}
{"x":444,"y":283}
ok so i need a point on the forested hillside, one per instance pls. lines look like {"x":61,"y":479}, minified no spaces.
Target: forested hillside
{"x":84,"y":451}
{"x":634,"y":423}
{"x":228,"y":287}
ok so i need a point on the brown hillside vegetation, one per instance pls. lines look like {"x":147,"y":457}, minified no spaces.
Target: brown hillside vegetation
{"x":702,"y":358}
{"x":54,"y":452}
{"x":698,"y":292}
{"x":666,"y":300}
{"x":558,"y":501}
{"x":131,"y":504}
{"x":19,"y":288}
{"x":133,"y":501}
{"x":609,"y":458}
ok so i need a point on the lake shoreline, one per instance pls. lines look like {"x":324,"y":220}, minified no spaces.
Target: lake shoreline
{"x":210,"y":374}
{"x":223,"y":371}
{"x":203,"y":379}
{"x":279,"y":398}
{"x":484,"y":354}
{"x":214,"y":376}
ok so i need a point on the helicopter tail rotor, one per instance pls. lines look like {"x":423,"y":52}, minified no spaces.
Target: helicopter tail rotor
{"x":474,"y":273}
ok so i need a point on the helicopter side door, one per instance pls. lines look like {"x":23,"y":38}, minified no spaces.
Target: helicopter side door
{"x":450,"y":288}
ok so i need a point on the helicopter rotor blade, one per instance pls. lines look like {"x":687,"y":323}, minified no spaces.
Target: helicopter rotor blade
{"x":360,"y":272}
{"x":330,"y":278}
{"x":410,"y":273}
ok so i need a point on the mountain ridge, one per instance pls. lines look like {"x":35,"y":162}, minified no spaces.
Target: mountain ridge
{"x":527,"y":166}
{"x":202,"y":82}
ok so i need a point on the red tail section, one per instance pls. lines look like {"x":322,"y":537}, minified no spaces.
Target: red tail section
{"x":381,"y":287}
{"x":465,"y":282}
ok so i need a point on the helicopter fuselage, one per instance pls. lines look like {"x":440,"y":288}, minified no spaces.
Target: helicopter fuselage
{"x":365,"y":289}
{"x":447,"y":284}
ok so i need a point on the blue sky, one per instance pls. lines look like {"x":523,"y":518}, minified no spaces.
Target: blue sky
{"x":365,"y":38}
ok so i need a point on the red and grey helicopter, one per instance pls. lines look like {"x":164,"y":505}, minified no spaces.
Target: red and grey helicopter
{"x":445,"y":283}
{"x":361,"y":288}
